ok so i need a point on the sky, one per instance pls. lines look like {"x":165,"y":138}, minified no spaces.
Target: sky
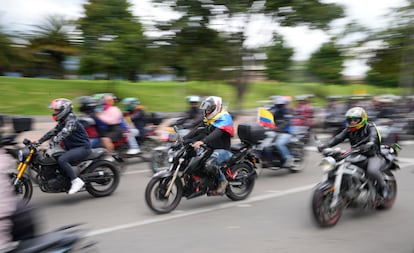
{"x":18,"y":15}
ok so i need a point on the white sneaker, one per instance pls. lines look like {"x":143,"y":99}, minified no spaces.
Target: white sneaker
{"x":77,"y":184}
{"x":133,"y":151}
{"x":289,"y":162}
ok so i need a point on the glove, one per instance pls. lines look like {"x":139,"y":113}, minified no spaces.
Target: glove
{"x":322,"y":147}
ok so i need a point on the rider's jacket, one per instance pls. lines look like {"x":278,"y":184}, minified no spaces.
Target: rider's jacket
{"x":367,"y":133}
{"x":70,"y":131}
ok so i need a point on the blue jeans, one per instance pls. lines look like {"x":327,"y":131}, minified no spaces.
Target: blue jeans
{"x":221,"y":155}
{"x":72,"y":156}
{"x":281,"y":144}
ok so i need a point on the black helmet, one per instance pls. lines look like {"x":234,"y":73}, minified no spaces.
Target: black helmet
{"x":87,"y":104}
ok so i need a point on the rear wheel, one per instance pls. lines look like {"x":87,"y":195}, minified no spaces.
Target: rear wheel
{"x":243,"y":184}
{"x":300,"y":159}
{"x":23,"y":188}
{"x":101,"y":179}
{"x":155,"y":194}
{"x":392,"y":191}
{"x":325,"y":216}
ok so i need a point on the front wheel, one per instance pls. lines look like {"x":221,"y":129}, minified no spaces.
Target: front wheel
{"x":101,"y":179}
{"x":23,"y":189}
{"x":324,"y":215}
{"x":243,"y":183}
{"x":155,"y":194}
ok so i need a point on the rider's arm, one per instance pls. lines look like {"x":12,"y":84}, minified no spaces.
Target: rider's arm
{"x":70,"y":125}
{"x":49,"y":134}
{"x":338,"y":138}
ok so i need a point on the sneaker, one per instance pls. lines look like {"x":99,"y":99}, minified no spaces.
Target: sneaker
{"x":222,"y":186}
{"x":288,"y":163}
{"x":133,"y":151}
{"x":77,"y":184}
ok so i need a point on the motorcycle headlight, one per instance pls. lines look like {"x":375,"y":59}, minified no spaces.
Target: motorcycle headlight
{"x":327,"y":164}
{"x":22,"y":154}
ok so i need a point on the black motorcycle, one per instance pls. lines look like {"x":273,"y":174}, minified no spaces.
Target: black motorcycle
{"x":63,"y":239}
{"x":187,"y":176}
{"x":101,"y":176}
{"x":270,"y":156}
{"x":345,"y":185}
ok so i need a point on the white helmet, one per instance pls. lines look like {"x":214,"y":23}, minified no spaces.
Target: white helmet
{"x":193,"y":99}
{"x":211,"y":106}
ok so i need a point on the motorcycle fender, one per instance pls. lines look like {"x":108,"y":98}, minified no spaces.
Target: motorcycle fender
{"x":162,"y":174}
{"x":324,"y":186}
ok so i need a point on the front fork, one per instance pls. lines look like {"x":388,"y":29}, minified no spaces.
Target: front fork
{"x":21,"y":168}
{"x":170,"y":185}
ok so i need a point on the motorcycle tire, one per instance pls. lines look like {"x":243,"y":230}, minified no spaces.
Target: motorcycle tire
{"x":392,"y":192}
{"x":155,"y":192}
{"x":101,"y":179}
{"x":159,"y":160}
{"x":241,"y":191}
{"x":23,"y":189}
{"x":300,"y":160}
{"x":147,"y":147}
{"x":322,"y":213}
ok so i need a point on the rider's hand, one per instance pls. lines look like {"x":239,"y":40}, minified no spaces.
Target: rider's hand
{"x":197,"y":144}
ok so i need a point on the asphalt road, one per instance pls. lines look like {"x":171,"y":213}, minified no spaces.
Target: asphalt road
{"x":275,"y":218}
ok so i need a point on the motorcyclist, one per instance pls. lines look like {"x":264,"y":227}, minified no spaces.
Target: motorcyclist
{"x":136,"y":119}
{"x":87,"y":108}
{"x":217,"y":135}
{"x":364,"y":134}
{"x":281,"y":118}
{"x":193,"y":115}
{"x":71,"y":133}
{"x":108,"y":121}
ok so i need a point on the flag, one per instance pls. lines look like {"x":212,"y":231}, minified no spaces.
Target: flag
{"x":265,"y":118}
{"x":223,"y":121}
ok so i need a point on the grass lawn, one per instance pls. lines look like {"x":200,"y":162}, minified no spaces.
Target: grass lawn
{"x":31,"y":96}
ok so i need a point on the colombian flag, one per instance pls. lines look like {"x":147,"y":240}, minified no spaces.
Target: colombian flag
{"x":265,"y":118}
{"x":223,"y":121}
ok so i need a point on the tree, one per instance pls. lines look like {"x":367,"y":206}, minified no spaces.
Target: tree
{"x":6,"y":52}
{"x":311,"y":13}
{"x":49,"y":46}
{"x":391,"y":64}
{"x":278,"y":60}
{"x":326,"y":64}
{"x":113,"y":40}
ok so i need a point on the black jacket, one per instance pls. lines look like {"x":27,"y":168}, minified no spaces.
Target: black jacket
{"x":368,"y":133}
{"x":70,"y":131}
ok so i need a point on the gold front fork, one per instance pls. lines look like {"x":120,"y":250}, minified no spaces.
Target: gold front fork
{"x":21,"y":168}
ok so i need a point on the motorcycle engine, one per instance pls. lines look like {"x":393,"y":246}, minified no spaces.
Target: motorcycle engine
{"x":51,"y":180}
{"x":362,"y":198}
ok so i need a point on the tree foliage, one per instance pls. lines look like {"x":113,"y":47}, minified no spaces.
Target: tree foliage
{"x":392,"y":63}
{"x":114,"y":43}
{"x":326,"y":64}
{"x":279,"y":60}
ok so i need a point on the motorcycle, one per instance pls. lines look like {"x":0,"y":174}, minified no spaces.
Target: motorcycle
{"x":187,"y":176}
{"x":101,"y":176}
{"x":63,"y":239}
{"x":345,"y":185}
{"x":271,"y":157}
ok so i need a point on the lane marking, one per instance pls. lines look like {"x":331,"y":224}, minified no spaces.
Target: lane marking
{"x":180,"y":214}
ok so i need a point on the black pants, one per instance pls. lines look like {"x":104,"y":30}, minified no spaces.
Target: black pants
{"x":373,"y":169}
{"x":72,"y":156}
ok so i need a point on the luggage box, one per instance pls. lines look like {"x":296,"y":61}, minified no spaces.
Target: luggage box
{"x":251,"y":132}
